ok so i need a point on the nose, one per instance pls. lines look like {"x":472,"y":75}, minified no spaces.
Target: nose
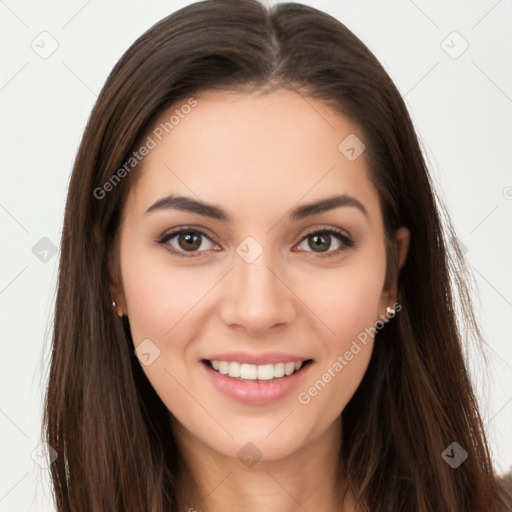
{"x":258,"y":296}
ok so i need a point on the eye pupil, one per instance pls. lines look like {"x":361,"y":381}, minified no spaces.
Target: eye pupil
{"x":193,"y":241}
{"x":320,"y":240}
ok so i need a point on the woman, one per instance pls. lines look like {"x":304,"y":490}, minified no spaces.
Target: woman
{"x":207,"y":354}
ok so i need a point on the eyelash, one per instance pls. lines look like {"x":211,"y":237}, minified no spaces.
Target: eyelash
{"x":344,"y":239}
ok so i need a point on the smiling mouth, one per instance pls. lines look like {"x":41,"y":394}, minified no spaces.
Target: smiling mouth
{"x":257,"y":373}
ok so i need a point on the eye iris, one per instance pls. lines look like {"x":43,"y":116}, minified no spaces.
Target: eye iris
{"x":192,"y":241}
{"x":319,"y":241}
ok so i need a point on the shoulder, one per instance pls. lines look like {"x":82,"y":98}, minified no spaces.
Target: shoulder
{"x":505,"y":484}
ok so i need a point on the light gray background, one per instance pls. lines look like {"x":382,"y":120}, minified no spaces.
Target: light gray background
{"x":461,"y":107}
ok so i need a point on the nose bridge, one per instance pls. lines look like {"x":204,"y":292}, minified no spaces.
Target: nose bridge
{"x":256,"y":298}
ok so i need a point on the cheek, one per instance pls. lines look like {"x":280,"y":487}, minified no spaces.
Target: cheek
{"x":160,"y":306}
{"x":347,"y":305}
{"x":159,"y":296}
{"x":166,"y":304}
{"x":345,"y":300}
{"x":347,"y":350}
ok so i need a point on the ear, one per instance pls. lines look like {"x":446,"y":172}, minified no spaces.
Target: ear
{"x":401,"y":249}
{"x":115,"y":281}
{"x":402,"y":241}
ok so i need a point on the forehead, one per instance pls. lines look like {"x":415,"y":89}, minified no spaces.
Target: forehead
{"x":253,"y":150}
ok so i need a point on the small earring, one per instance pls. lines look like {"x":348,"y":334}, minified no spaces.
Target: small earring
{"x":390,"y":310}
{"x":114,"y":305}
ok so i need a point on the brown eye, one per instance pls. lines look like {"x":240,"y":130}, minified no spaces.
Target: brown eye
{"x":186,"y":240}
{"x":320,"y":242}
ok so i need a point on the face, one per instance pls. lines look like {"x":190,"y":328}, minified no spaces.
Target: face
{"x":254,"y":284}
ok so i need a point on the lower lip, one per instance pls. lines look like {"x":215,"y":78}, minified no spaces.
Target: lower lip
{"x":256,"y":392}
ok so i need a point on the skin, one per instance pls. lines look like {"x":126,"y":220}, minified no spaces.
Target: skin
{"x":256,"y":156}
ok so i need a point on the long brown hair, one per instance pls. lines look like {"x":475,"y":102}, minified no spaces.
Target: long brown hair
{"x":111,"y":431}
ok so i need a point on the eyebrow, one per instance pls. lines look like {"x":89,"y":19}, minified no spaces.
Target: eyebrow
{"x":188,"y":204}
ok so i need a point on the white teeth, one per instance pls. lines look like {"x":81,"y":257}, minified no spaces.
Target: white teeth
{"x":265,"y":372}
{"x":248,"y":371}
{"x":223,"y":367}
{"x":289,"y":368}
{"x":234,"y":369}
{"x":255,"y":372}
{"x":279,"y":370}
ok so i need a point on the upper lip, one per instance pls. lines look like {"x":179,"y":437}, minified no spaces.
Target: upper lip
{"x":257,"y":359}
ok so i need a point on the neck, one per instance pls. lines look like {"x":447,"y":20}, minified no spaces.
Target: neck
{"x":310,"y":478}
